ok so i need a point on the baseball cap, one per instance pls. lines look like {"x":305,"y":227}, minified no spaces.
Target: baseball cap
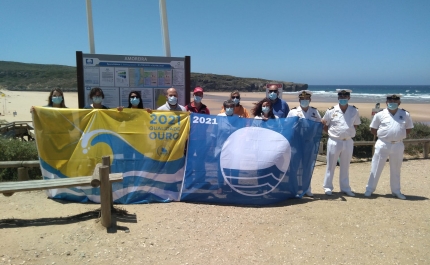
{"x":198,"y":89}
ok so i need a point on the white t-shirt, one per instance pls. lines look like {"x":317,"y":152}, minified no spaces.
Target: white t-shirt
{"x":392,"y":127}
{"x":341,"y":125}
{"x":168,"y":107}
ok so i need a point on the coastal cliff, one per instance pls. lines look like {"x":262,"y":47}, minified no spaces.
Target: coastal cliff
{"x":43,"y":77}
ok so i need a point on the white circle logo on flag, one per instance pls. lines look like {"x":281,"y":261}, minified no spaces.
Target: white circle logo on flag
{"x":254,"y":160}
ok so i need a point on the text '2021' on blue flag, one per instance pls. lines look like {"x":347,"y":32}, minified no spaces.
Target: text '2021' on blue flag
{"x":235,"y":160}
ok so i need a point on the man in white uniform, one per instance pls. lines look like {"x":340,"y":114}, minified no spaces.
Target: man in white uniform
{"x":391,"y":125}
{"x":304,"y":111}
{"x":340,"y":121}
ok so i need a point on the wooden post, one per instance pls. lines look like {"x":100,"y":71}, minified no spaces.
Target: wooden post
{"x":426,"y":149}
{"x":105,"y":198}
{"x":22,"y":174}
{"x":321,"y":149}
{"x":106,"y":162}
{"x":95,"y":180}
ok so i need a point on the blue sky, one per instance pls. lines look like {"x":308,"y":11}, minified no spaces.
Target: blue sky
{"x":318,"y":42}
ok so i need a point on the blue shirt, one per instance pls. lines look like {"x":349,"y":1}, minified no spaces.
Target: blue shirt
{"x":280,"y":108}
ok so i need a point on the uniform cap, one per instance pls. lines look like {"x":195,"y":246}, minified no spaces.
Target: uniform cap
{"x":342,"y":91}
{"x":304,"y":93}
{"x":394,"y":96}
{"x":198,"y":89}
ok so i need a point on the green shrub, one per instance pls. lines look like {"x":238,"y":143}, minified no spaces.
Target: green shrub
{"x":420,"y":131}
{"x":16,"y":150}
{"x":363,"y":134}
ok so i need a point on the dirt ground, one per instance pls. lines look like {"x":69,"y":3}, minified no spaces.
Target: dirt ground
{"x":319,"y":230}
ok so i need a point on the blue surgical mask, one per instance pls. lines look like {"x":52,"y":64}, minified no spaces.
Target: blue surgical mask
{"x":229,"y":111}
{"x":57,"y":100}
{"x":304,"y":103}
{"x":97,"y":100}
{"x":392,"y":105}
{"x":134,"y":101}
{"x":197,"y":99}
{"x":343,"y":102}
{"x":273,"y":96}
{"x":172,"y":100}
{"x":265,"y":110}
{"x":236,"y":101}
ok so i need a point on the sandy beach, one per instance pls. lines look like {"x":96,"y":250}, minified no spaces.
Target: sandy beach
{"x":319,"y":230}
{"x":20,"y":102}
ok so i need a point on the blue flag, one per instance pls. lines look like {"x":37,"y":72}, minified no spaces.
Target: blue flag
{"x":236,"y":160}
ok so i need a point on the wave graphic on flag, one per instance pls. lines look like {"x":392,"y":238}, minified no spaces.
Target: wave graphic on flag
{"x":145,"y":179}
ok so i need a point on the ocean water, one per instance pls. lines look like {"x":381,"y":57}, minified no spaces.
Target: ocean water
{"x":369,"y":93}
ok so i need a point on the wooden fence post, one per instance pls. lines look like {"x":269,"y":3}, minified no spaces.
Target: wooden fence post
{"x":105,"y":197}
{"x":22,"y":174}
{"x":106,"y":162}
{"x":426,"y":149}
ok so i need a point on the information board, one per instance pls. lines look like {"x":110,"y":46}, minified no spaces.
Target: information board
{"x":118,"y":75}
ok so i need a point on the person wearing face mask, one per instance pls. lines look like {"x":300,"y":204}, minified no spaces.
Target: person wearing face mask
{"x":391,"y":125}
{"x":304,"y":111}
{"x":197,"y":106}
{"x":134,"y":102}
{"x":239,"y":110}
{"x":280,"y":107}
{"x":96,"y":96}
{"x":55,"y":99}
{"x":228,"y":106}
{"x":172,"y":101}
{"x":263,"y":110}
{"x":340,"y":121}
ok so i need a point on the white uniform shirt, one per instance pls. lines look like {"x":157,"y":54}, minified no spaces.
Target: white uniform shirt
{"x":311,"y":114}
{"x":392,"y":127}
{"x":341,"y":125}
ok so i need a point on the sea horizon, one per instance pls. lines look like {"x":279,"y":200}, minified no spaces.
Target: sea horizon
{"x":373,"y":93}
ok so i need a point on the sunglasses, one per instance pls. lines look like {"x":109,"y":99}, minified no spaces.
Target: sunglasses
{"x":274,"y":91}
{"x":238,"y":97}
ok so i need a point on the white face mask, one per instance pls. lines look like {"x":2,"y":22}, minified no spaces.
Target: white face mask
{"x":304,"y":103}
{"x":97,"y":100}
{"x":172,"y":100}
{"x":265,"y":110}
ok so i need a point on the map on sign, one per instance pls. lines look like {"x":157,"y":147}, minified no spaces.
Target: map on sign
{"x":118,"y":75}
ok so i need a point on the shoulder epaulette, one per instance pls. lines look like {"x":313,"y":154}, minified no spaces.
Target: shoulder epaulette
{"x":294,"y":108}
{"x":405,"y":110}
{"x":354,"y":106}
{"x":313,"y":108}
{"x":332,"y":107}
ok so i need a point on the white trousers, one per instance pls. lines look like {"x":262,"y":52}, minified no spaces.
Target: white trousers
{"x":336,"y":149}
{"x":384,"y":150}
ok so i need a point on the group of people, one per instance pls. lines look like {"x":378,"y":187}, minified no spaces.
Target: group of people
{"x":391,"y":125}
